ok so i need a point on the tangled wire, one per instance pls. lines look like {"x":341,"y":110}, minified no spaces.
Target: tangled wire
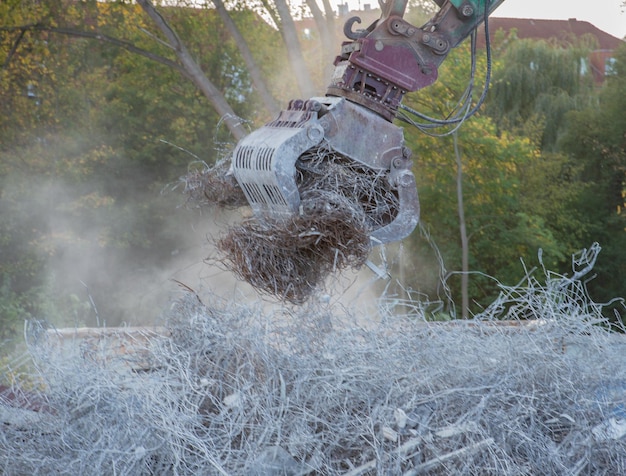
{"x":290,"y":259}
{"x":206,"y":186}
{"x":342,"y":202}
{"x":230,"y":389}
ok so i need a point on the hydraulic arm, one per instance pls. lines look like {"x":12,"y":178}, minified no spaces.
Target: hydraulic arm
{"x":392,"y":57}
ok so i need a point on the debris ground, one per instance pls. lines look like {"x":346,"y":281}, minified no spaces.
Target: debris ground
{"x":228,"y":388}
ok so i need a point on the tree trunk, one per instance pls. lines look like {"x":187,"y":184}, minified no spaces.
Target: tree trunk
{"x":330,"y":21}
{"x":328,"y":45}
{"x":271,"y":11}
{"x":94,"y":35}
{"x":463,"y":230}
{"x":296,"y":60}
{"x":215,"y":97}
{"x":253,"y":69}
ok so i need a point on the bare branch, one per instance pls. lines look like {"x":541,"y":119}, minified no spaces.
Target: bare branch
{"x":195,"y":73}
{"x":13,"y":49}
{"x":94,"y":35}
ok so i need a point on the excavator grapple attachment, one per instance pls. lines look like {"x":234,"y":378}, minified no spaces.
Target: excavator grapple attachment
{"x":265,"y":163}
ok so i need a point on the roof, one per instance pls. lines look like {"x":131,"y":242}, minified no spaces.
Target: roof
{"x":563,"y":30}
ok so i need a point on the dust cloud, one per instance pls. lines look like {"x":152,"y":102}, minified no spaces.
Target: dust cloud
{"x":90,"y":282}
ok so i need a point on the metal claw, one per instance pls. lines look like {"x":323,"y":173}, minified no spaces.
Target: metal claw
{"x":353,"y":35}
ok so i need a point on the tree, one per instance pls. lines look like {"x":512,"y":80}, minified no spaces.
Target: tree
{"x":537,"y":80}
{"x":596,"y":142}
{"x":506,"y":215}
{"x":296,"y":60}
{"x":186,"y":65}
{"x":326,"y":27}
{"x":462,"y":230}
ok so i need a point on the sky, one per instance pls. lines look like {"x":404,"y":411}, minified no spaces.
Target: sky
{"x":607,"y":15}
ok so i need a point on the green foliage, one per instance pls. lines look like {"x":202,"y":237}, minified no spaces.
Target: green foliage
{"x":535,"y":80}
{"x":501,"y":223}
{"x":597,"y":144}
{"x":518,"y":197}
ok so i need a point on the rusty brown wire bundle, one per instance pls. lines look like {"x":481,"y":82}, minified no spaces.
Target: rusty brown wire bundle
{"x":290,"y":259}
{"x":213,"y":186}
{"x":341,"y":203}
